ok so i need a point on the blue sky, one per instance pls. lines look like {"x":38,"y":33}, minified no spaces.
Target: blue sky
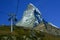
{"x":50,"y":9}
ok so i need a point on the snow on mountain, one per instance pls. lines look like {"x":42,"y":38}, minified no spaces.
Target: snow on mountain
{"x":53,"y":25}
{"x":31,"y":17}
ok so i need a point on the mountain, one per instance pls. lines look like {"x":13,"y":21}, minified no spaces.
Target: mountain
{"x":31,"y":27}
{"x":48,"y":28}
{"x":31,"y":17}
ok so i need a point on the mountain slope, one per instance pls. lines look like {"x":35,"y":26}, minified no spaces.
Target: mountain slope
{"x":48,"y":28}
{"x":25,"y":34}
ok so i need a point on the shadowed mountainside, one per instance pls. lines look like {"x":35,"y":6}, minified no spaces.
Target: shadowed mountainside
{"x":20,"y":33}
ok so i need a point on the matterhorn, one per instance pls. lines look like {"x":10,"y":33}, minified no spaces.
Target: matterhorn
{"x":31,"y":18}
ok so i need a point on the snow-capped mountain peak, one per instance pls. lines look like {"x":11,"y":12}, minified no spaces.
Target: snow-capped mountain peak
{"x":31,"y":17}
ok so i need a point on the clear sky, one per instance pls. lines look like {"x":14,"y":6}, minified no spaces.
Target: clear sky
{"x":50,"y":9}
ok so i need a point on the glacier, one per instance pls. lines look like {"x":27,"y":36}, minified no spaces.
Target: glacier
{"x":31,"y":17}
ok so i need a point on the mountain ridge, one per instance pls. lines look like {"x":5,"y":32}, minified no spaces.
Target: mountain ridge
{"x":48,"y":28}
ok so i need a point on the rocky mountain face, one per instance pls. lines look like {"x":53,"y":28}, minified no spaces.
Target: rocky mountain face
{"x":48,"y":28}
{"x":32,"y":18}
